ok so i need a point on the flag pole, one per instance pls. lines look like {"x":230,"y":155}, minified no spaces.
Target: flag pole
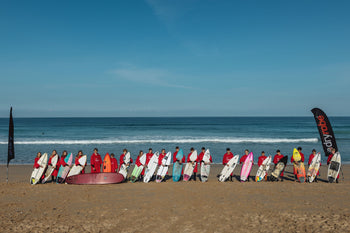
{"x":7,"y":174}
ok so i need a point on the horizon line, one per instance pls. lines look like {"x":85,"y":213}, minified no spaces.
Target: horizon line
{"x":160,"y":116}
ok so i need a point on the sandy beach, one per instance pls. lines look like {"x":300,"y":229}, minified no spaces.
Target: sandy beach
{"x":175,"y":207}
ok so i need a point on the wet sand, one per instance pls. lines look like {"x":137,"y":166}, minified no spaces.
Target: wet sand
{"x":175,"y":207}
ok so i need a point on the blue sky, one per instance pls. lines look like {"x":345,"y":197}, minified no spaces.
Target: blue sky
{"x":174,"y":58}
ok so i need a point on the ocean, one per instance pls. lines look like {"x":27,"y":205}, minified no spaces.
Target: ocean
{"x":112,"y":135}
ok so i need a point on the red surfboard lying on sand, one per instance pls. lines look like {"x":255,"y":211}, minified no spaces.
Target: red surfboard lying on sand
{"x":95,"y":178}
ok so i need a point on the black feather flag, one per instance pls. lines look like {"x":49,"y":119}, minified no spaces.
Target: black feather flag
{"x":325,"y":130}
{"x":11,"y":148}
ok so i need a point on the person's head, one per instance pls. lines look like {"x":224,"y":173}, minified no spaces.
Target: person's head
{"x":333,"y":150}
{"x":177,"y":148}
{"x":246,"y":151}
{"x":192,"y":149}
{"x":125,"y":151}
{"x":203,"y":149}
{"x":278,"y":152}
{"x":140,"y":153}
{"x":64,"y":153}
{"x":228,"y":150}
{"x":263,"y":153}
{"x":80,"y":153}
{"x":150,"y":150}
{"x":54,"y":152}
{"x":112,"y":155}
{"x":163,"y":151}
{"x":314,"y":151}
{"x":299,"y":148}
{"x":38,"y":155}
{"x":95,"y":150}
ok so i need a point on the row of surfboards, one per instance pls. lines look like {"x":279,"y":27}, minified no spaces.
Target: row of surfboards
{"x":177,"y":167}
{"x":71,"y":173}
{"x":63,"y":172}
{"x":333,"y":169}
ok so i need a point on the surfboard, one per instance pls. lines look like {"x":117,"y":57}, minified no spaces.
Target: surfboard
{"x":177,"y":167}
{"x":38,"y":172}
{"x":96,"y":178}
{"x":228,"y":168}
{"x":50,"y":168}
{"x":279,"y":168}
{"x":76,"y":169}
{"x":334,"y":167}
{"x":314,"y":167}
{"x":63,"y":172}
{"x":124,"y":168}
{"x":247,"y":167}
{"x":299,"y":166}
{"x":189,"y":166}
{"x":151,"y":168}
{"x":263,"y":169}
{"x":162,"y":170}
{"x":138,"y":169}
{"x":107,"y":164}
{"x":205,"y":169}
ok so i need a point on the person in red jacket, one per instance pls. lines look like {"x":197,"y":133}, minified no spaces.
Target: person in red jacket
{"x":63,"y":156}
{"x":243,"y":158}
{"x":149,"y":156}
{"x":37,"y":165}
{"x":195,"y":163}
{"x":114,"y":163}
{"x":96,"y":162}
{"x":160,"y":160}
{"x":302,"y":160}
{"x":313,"y":154}
{"x":138,"y":163}
{"x":121,"y":158}
{"x":227,"y":157}
{"x":261,"y":159}
{"x":174,"y":156}
{"x":276,"y":159}
{"x":76,"y":161}
{"x":201,"y":155}
{"x":329,"y":161}
{"x":181,"y":161}
{"x":161,"y":157}
{"x":55,"y":172}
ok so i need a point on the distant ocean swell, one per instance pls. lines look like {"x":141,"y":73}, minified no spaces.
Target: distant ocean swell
{"x":175,"y":141}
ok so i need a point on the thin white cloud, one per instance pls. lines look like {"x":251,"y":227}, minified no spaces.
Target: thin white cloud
{"x":169,"y":11}
{"x":152,"y":76}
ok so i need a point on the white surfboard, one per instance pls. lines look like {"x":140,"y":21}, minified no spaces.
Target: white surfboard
{"x":205,"y":169}
{"x":228,"y":168}
{"x":151,"y":167}
{"x":334,"y":167}
{"x":263,"y":169}
{"x":75,"y":170}
{"x":314,"y":167}
{"x":50,"y":168}
{"x":38,"y":172}
{"x":143,"y":159}
{"x":188,"y":171}
{"x":162,"y":170}
{"x":124,"y":168}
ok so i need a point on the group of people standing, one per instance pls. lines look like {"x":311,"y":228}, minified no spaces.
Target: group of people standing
{"x":96,"y":160}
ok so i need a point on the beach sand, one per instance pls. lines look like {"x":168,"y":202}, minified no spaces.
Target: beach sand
{"x":175,"y":207}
